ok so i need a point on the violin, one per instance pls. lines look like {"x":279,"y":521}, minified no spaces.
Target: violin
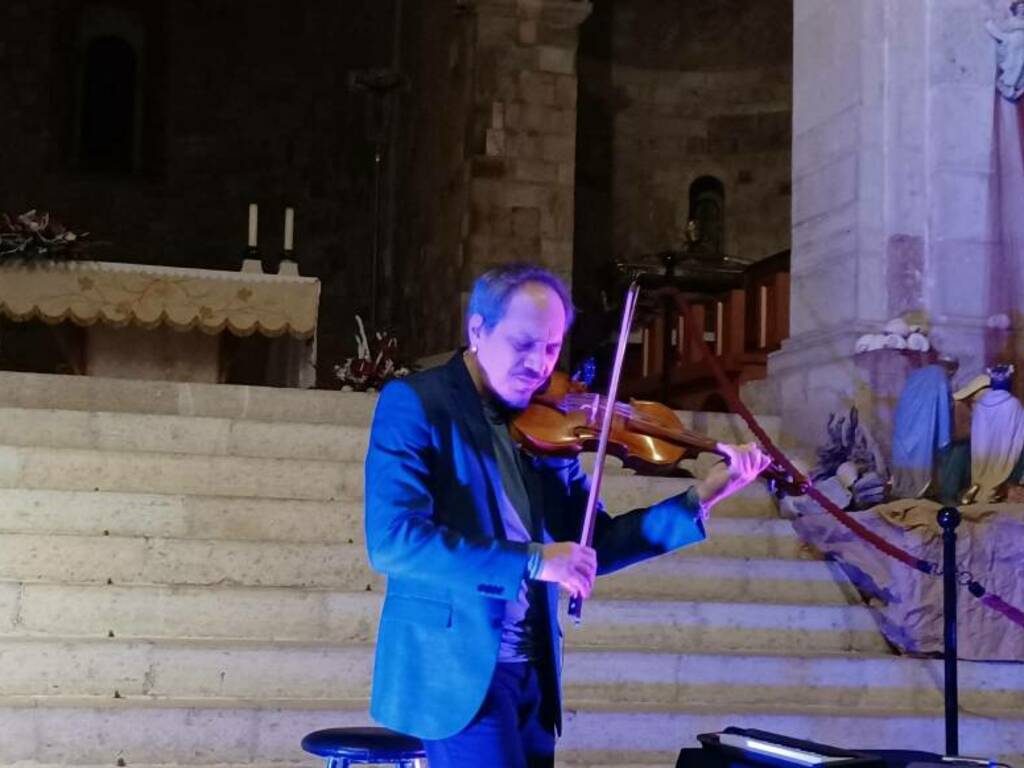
{"x":565,"y":419}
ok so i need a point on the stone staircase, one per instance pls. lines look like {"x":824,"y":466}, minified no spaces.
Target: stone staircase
{"x":183,"y":583}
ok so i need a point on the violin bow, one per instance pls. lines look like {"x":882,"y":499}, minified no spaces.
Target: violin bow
{"x":587,"y":536}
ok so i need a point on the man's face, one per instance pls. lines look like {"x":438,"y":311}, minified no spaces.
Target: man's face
{"x":519,"y":353}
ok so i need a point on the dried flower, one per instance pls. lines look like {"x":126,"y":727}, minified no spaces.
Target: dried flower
{"x":35,"y":237}
{"x":370,"y":369}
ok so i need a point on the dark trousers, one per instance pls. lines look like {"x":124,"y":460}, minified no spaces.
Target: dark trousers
{"x":510,"y":730}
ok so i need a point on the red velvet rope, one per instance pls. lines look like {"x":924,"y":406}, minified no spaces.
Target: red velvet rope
{"x":997,"y":603}
{"x":729,"y":391}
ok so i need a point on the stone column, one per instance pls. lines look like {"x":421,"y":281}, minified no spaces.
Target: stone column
{"x":523,"y":136}
{"x":892,"y":148}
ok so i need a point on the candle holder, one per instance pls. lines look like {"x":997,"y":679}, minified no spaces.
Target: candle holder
{"x":288,"y":265}
{"x":251,"y":259}
{"x":272,"y":262}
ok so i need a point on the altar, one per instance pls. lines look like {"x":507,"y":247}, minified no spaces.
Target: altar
{"x":175,"y":324}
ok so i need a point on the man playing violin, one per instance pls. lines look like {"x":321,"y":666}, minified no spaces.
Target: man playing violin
{"x":476,"y":537}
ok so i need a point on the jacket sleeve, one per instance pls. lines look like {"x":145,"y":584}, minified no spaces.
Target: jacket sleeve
{"x":636,"y":535}
{"x":402,"y":537}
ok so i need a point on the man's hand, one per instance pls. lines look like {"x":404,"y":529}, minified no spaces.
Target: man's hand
{"x":742,"y":464}
{"x":571,"y":565}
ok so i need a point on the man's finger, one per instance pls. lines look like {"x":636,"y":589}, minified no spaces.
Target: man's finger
{"x":727,"y":450}
{"x":577,"y":586}
{"x":585,"y":576}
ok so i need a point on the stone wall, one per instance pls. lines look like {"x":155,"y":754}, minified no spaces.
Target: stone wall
{"x":670,"y":92}
{"x":894,"y":199}
{"x":523,"y":135}
{"x":243,"y":102}
{"x":440,"y":59}
{"x":491,"y":153}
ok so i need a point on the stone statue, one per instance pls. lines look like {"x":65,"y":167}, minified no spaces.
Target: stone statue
{"x":1009,"y":35}
{"x":692,"y":231}
{"x":997,"y":439}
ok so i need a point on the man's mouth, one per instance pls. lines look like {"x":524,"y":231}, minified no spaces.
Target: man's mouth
{"x":527,"y":382}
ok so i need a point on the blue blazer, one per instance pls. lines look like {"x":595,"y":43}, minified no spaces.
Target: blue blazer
{"x":433,"y":527}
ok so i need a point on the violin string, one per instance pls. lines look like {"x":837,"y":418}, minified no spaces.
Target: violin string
{"x":586,"y":401}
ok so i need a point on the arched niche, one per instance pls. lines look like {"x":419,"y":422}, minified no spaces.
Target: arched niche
{"x":110,"y":104}
{"x":707,"y":211}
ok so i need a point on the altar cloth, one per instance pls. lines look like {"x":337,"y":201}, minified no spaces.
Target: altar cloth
{"x":87,"y":292}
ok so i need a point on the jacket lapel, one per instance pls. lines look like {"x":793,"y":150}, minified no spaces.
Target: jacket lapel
{"x":468,"y":411}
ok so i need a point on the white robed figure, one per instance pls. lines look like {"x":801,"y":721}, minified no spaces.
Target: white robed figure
{"x":997,"y":440}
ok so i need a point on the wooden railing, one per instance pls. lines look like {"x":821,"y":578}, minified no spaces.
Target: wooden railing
{"x":740,"y":326}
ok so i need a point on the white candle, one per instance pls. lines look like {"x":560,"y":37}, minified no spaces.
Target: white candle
{"x":253,"y":216}
{"x":719,"y":328}
{"x":289,"y":228}
{"x":763,"y":338}
{"x":645,"y":353}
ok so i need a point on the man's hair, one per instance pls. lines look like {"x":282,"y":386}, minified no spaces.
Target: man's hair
{"x":493,"y":289}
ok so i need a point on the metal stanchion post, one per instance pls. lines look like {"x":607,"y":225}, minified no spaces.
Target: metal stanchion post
{"x":949,"y":518}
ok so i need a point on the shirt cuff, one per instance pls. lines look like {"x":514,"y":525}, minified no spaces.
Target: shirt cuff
{"x":692,"y":501}
{"x":536,"y":560}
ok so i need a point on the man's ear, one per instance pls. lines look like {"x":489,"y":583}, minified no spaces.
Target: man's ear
{"x":474,"y":328}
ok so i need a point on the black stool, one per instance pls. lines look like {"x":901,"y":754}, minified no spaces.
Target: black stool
{"x":342,"y":747}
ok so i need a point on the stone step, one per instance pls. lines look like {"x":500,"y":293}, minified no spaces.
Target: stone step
{"x":169,"y":473}
{"x":853,"y":682}
{"x":731,"y":626}
{"x":309,"y":761}
{"x":208,"y":436}
{"x":69,"y":559}
{"x":223,"y":401}
{"x":85,"y":470}
{"x":259,"y":671}
{"x":689,"y":576}
{"x":193,"y":435}
{"x":623,"y":492}
{"x":579,"y":759}
{"x":124,"y":561}
{"x":314,"y":616}
{"x":156,"y":433}
{"x":190,"y":733}
{"x":98,"y":513}
{"x":751,"y":537}
{"x":180,"y":732}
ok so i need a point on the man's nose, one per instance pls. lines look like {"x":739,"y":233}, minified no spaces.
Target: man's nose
{"x":534,"y":361}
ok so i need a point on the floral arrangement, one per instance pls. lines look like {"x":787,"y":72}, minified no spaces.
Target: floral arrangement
{"x":35,"y":237}
{"x":371,"y":369}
